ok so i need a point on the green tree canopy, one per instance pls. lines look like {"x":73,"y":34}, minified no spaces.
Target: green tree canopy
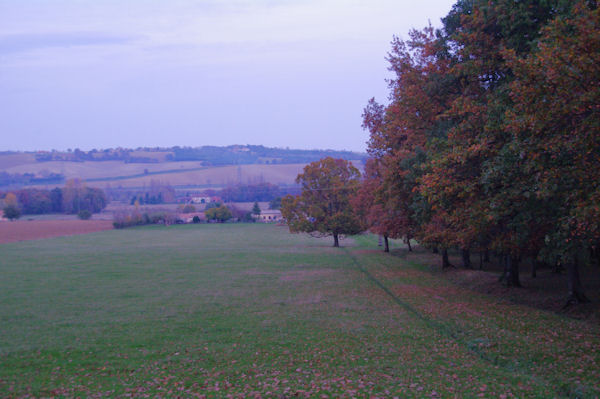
{"x":219,"y":214}
{"x":490,"y":139}
{"x":11,"y":212}
{"x":323,"y":207}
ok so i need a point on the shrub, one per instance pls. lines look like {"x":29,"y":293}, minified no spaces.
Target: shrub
{"x":12,"y":212}
{"x":84,"y":214}
{"x":136,"y":217}
{"x":219,"y":214}
{"x":241,"y":215}
{"x":189,"y":208}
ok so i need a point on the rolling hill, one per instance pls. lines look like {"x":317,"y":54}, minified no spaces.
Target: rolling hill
{"x":212,"y":166}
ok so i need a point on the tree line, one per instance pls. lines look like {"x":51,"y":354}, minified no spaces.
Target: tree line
{"x":208,"y":155}
{"x":490,"y":141}
{"x":253,"y":154}
{"x":74,"y":198}
{"x":249,"y":192}
{"x":77,"y":155}
{"x":23,"y":179}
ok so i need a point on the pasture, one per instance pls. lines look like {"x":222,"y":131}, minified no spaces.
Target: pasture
{"x":252,"y":311}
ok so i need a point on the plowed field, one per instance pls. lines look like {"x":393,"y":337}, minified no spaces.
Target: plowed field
{"x":35,"y":229}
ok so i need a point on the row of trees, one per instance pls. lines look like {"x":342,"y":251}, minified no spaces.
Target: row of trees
{"x":73,"y":198}
{"x":250,"y":193}
{"x":252,"y":154}
{"x":77,"y":155}
{"x":490,"y":140}
{"x":157,"y":192}
{"x":23,"y":179}
{"x":209,"y":155}
{"x":137,"y":217}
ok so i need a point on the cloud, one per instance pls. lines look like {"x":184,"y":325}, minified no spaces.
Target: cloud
{"x":18,"y":43}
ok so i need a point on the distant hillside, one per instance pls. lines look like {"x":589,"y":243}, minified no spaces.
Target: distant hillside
{"x":208,"y":155}
{"x":253,"y":154}
{"x":177,"y":166}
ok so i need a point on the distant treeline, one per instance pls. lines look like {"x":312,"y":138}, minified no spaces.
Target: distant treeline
{"x":250,"y":193}
{"x":139,"y":217}
{"x":209,"y":155}
{"x":157,"y":193}
{"x":112,"y":154}
{"x":261,"y":192}
{"x":73,"y":198}
{"x":253,"y":154}
{"x":21,"y":179}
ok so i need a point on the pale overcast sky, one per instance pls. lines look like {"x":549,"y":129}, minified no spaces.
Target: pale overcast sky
{"x":108,"y":73}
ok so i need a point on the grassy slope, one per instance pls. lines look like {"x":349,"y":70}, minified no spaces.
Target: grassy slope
{"x":244,"y":309}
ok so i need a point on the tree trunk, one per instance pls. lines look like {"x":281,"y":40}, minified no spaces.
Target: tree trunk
{"x":408,"y":243}
{"x":514,"y":272}
{"x":387,"y":244}
{"x":445,"y":262}
{"x":534,"y":264}
{"x":558,"y":267}
{"x":486,"y":256}
{"x":336,"y":241}
{"x":434,"y":250}
{"x":576,"y":294}
{"x":505,"y":272}
{"x":480,"y":260}
{"x":466,"y":258}
{"x":511,"y":272}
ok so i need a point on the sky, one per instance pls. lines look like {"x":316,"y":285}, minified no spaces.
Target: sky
{"x":142,"y":73}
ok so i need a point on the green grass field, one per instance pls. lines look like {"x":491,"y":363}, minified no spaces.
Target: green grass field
{"x":252,"y":311}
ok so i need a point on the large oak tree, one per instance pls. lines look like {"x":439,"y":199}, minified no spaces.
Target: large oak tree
{"x":323,"y":207}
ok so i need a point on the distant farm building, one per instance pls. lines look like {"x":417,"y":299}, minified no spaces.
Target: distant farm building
{"x":268,"y":216}
{"x":201,"y":200}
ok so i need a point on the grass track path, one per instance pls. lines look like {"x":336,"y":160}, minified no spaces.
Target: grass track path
{"x":544,"y":349}
{"x":441,"y":328}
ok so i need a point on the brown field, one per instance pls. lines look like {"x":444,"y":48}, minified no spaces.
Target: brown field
{"x":97,"y":170}
{"x":23,"y":230}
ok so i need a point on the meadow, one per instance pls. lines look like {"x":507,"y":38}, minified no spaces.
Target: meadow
{"x":252,"y":311}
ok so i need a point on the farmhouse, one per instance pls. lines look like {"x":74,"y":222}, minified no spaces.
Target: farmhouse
{"x":201,"y":200}
{"x":268,"y":216}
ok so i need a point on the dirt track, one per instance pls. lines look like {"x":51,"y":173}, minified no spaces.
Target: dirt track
{"x":35,"y":229}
